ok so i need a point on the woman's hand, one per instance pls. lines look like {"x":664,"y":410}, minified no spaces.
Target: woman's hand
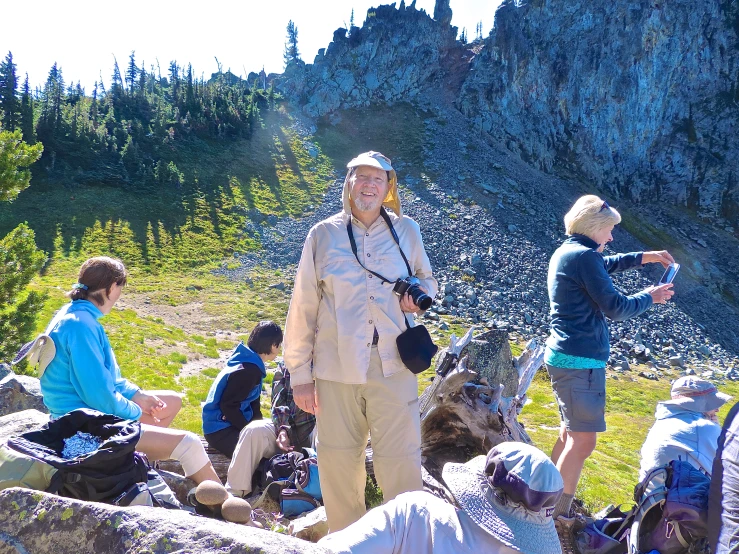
{"x":658,"y":256}
{"x":150,"y":404}
{"x":661,"y":294}
{"x":305,"y":397}
{"x":283,"y":441}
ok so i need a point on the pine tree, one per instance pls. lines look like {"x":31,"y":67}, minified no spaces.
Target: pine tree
{"x":116,"y":86}
{"x":478,"y":31}
{"x":463,"y":35}
{"x":131,"y":73}
{"x":291,"y":45}
{"x":20,"y":259}
{"x":27,"y":114}
{"x":10,"y":106}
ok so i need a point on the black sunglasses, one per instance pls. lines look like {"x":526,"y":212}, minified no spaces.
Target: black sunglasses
{"x":605,"y":206}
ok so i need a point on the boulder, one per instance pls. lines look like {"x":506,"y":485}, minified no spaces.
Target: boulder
{"x":312,"y":527}
{"x":20,"y":392}
{"x":21,"y":422}
{"x":34,"y":521}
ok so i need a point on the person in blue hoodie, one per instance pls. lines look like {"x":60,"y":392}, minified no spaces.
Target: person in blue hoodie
{"x":233,"y":398}
{"x":84,"y":372}
{"x":581,"y":297}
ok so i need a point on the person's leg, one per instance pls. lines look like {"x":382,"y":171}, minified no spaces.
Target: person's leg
{"x":166,"y":444}
{"x":559,"y":446}
{"x":173,"y":401}
{"x":256,"y":441}
{"x":342,"y":438}
{"x":581,"y":396}
{"x":224,"y":441}
{"x":395,"y":429}
{"x":579,"y":447}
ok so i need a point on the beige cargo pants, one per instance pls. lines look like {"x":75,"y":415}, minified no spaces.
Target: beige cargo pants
{"x":385,"y":408}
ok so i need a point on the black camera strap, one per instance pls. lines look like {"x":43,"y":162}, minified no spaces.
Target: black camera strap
{"x":353,"y":242}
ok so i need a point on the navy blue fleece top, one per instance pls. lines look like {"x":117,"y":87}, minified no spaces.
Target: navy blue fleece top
{"x":581,"y":295}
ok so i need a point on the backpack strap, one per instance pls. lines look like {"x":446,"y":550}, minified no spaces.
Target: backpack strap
{"x":651,"y":497}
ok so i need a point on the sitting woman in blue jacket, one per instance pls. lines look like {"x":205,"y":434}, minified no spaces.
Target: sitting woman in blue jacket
{"x":233,"y":398}
{"x":85,"y":374}
{"x":581,"y":297}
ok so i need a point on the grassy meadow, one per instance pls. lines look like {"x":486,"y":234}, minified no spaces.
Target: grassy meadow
{"x":177,"y":320}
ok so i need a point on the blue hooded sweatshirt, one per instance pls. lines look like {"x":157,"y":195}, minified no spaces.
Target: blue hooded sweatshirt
{"x":581,"y":295}
{"x":84,"y":372}
{"x":213,"y":418}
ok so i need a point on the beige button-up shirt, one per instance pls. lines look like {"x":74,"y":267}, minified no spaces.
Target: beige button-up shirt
{"x":336,"y":304}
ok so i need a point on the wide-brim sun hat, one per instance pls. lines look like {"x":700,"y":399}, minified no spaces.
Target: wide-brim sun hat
{"x":380,"y":161}
{"x":696,"y":394}
{"x":511,"y":494}
{"x":40,"y":352}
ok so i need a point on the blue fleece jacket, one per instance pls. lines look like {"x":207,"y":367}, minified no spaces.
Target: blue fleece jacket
{"x":213,"y":418}
{"x":581,"y":295}
{"x":84,"y":372}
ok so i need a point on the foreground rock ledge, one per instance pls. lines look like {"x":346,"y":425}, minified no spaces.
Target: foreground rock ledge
{"x":37,"y":522}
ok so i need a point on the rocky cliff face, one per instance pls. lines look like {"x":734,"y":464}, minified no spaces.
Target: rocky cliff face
{"x":391,"y":58}
{"x":640,"y":97}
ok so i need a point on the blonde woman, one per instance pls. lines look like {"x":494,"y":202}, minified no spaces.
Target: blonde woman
{"x":581,"y":296}
{"x":84,"y":372}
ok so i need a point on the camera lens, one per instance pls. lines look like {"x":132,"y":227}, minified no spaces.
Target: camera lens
{"x":421,"y":299}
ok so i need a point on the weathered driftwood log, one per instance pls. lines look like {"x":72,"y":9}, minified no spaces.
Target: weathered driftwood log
{"x":472,"y":405}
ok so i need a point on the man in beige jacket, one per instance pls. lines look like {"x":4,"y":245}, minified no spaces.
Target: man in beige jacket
{"x":340,"y":341}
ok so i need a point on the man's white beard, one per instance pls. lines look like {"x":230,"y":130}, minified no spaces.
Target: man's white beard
{"x":366,"y":204}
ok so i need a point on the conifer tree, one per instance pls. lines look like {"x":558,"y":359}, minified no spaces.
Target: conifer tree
{"x":291,"y":45}
{"x":20,"y":259}
{"x":116,"y":87}
{"x":10,"y":106}
{"x":27,"y":114}
{"x":131,"y":73}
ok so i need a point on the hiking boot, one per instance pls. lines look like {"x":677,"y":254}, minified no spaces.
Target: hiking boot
{"x":567,"y":528}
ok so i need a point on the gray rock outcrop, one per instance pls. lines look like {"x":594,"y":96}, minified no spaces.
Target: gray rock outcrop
{"x":21,"y":422}
{"x":640,"y":98}
{"x":390,"y":59}
{"x":34,"y":521}
{"x":20,"y":392}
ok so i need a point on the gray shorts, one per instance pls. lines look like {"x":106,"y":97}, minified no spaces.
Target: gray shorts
{"x":581,"y":395}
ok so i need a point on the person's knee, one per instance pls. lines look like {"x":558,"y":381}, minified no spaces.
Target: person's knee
{"x":581,"y":444}
{"x":190,"y":453}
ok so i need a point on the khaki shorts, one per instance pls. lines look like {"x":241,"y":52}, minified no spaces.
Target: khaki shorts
{"x":581,"y":395}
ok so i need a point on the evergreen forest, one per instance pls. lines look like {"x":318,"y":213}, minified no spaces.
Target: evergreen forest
{"x":131,"y":131}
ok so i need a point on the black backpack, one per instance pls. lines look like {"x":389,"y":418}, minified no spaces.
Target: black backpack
{"x":99,"y":476}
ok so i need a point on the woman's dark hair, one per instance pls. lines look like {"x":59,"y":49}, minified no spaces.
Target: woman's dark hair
{"x":264,"y":336}
{"x":96,"y":277}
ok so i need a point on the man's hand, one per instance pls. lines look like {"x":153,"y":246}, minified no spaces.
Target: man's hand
{"x":658,"y":256}
{"x":283,"y":441}
{"x":661,"y":294}
{"x":306,"y":398}
{"x":150,"y":404}
{"x":407,"y":304}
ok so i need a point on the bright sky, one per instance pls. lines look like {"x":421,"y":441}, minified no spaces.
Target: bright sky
{"x":82,"y":37}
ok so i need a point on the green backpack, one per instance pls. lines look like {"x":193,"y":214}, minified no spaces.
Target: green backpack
{"x":20,"y":470}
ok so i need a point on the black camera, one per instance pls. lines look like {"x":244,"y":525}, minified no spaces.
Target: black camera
{"x":412,"y":286}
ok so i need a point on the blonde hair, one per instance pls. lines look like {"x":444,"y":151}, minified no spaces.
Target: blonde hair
{"x":589,"y":215}
{"x":96,"y":278}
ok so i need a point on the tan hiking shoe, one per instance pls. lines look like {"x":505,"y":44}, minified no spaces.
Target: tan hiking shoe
{"x":567,"y":528}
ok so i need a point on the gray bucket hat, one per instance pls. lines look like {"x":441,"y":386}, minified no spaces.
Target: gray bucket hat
{"x":511,"y":494}
{"x":696,"y":394}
